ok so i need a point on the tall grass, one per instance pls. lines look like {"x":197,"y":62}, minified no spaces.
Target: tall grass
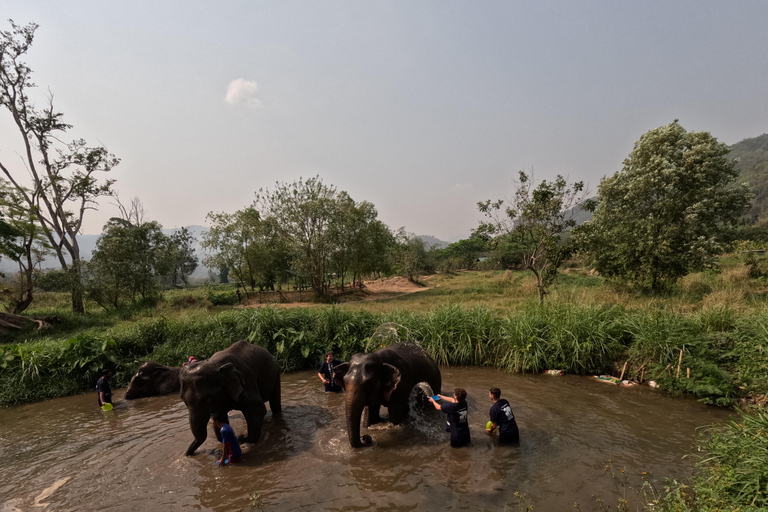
{"x":722,"y":351}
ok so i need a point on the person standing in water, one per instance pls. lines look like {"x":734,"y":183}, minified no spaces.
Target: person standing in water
{"x":326,"y":373}
{"x":456,"y":409}
{"x":231,"y":451}
{"x":503,"y":419}
{"x":103,"y":390}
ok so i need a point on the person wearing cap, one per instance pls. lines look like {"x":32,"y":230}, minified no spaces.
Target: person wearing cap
{"x":231,"y":451}
{"x":503,"y":419}
{"x":456,"y":409}
{"x":326,"y":372}
{"x":191,"y":359}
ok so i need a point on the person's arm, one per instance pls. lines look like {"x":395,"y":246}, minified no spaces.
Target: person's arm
{"x":492,"y":429}
{"x":437,"y":405}
{"x":449,"y":399}
{"x":322,"y":377}
{"x":101,"y":397}
{"x":225,"y":452}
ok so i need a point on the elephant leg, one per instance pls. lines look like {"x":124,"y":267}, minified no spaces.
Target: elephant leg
{"x":198,"y":423}
{"x":274,"y":402}
{"x":398,"y":412}
{"x":254,"y":417}
{"x":374,"y":415}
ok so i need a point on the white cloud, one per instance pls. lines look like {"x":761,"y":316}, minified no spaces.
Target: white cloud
{"x":461,"y":188}
{"x":243,"y":92}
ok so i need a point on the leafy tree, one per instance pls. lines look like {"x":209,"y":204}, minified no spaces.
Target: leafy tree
{"x":659,"y":218}
{"x":30,"y":247}
{"x":409,"y":255}
{"x":57,"y":182}
{"x":183,"y":255}
{"x":128,"y":264}
{"x":250,"y":246}
{"x":305,"y":212}
{"x":536,"y":219}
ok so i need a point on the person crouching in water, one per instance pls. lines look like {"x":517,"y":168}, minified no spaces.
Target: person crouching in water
{"x":456,"y":409}
{"x":231,"y":451}
{"x":502,"y":418}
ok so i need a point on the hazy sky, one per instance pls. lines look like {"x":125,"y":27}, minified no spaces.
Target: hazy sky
{"x":421,"y":107}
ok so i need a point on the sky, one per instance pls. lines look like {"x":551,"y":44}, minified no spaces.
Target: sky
{"x":422,"y":108}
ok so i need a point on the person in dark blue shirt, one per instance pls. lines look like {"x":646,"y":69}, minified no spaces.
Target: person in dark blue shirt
{"x":103,"y":390}
{"x":231,"y":451}
{"x":503,"y":419}
{"x":456,"y":409}
{"x":326,"y":373}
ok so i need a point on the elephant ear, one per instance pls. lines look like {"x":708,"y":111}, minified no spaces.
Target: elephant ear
{"x":233,"y":381}
{"x":339,"y":371}
{"x":390,"y":381}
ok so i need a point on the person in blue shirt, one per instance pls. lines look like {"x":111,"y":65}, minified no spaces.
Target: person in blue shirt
{"x":326,"y":372}
{"x":456,"y":409}
{"x":231,"y":451}
{"x":103,"y":389}
{"x":503,"y":419}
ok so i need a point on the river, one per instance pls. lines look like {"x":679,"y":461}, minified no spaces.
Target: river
{"x":66,"y":454}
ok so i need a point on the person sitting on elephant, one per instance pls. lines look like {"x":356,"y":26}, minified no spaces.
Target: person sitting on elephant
{"x":456,"y":409}
{"x":190,"y":360}
{"x":503,"y":419}
{"x":231,"y":452}
{"x":326,"y":372}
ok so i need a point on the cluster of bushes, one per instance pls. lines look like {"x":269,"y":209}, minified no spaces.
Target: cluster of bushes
{"x":725,"y":353}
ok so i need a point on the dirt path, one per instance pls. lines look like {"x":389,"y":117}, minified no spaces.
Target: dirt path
{"x":378,"y":289}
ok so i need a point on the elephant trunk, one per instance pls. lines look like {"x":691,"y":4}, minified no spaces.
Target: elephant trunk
{"x":355,"y":405}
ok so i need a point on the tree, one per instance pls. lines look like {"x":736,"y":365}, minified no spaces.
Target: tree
{"x":536,"y":219}
{"x":58,"y":182}
{"x":409,"y":255}
{"x":248,"y":245}
{"x":659,"y":218}
{"x":304,"y":212}
{"x":30,"y":247}
{"x":183,"y":255}
{"x":128,"y":264}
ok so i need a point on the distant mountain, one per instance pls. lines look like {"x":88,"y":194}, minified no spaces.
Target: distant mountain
{"x":430,"y":242}
{"x":753,"y":167}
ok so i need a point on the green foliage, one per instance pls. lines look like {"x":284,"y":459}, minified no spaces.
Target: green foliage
{"x":128,"y":265}
{"x":751,"y":157}
{"x":222,"y":298}
{"x":661,"y":216}
{"x":536,"y":220}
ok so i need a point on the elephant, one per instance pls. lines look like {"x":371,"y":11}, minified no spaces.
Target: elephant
{"x":154,"y":379}
{"x":242,"y":377}
{"x":385,"y":377}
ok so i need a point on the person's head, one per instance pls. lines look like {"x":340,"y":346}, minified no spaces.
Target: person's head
{"x":191,"y":359}
{"x":494,"y":393}
{"x":460,"y":394}
{"x":217,"y":420}
{"x":106,"y":374}
{"x":329,"y":356}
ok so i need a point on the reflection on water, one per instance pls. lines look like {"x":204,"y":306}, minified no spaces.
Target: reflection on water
{"x":66,"y":454}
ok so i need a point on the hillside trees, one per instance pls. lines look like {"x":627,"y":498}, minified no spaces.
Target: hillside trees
{"x":57,"y":182}
{"x":536,"y":220}
{"x":659,"y":218}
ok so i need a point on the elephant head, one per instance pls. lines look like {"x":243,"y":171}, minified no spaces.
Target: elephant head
{"x":208,"y":387}
{"x":368,"y":382}
{"x":153,"y":379}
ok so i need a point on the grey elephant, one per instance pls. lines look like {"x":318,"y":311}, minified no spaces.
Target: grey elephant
{"x":385,"y":377}
{"x":242,"y":377}
{"x":153,"y":379}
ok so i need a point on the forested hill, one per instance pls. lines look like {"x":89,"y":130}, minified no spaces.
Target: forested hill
{"x":753,"y":165}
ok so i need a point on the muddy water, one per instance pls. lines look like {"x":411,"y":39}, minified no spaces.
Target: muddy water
{"x":66,"y":454}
